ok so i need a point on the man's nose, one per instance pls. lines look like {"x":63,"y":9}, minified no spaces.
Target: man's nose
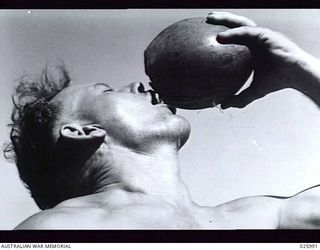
{"x":135,"y":87}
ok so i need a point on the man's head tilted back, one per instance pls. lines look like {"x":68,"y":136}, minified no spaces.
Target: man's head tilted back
{"x":61,"y":134}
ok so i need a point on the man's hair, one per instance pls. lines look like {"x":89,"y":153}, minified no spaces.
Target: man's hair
{"x":31,"y":146}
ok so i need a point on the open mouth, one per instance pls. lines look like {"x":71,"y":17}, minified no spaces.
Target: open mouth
{"x":156,"y":100}
{"x":155,"y":97}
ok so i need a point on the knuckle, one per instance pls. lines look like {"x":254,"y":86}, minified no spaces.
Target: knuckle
{"x":246,"y":29}
{"x":263,"y":34}
{"x":267,"y":31}
{"x":280,"y":35}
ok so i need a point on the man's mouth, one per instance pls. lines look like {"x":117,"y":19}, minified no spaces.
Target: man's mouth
{"x":157,"y":100}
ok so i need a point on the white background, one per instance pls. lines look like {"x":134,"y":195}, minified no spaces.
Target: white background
{"x":270,"y":147}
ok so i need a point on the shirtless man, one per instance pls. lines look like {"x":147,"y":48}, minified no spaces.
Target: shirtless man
{"x":95,"y":157}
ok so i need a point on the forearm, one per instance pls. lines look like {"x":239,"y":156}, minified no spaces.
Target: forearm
{"x":309,"y":80}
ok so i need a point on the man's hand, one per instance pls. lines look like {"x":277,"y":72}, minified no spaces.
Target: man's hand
{"x":277,"y":60}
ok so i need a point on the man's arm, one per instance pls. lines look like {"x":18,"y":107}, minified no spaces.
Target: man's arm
{"x":279,"y":64}
{"x":301,"y":211}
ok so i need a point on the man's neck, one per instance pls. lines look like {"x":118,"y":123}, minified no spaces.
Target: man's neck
{"x":153,"y":174}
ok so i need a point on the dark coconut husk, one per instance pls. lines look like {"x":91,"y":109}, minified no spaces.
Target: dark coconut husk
{"x":190,"y":69}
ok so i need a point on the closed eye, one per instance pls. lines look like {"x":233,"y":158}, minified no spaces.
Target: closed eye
{"x":105,"y":87}
{"x":108,"y":89}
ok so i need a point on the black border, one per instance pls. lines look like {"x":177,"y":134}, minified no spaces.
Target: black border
{"x":161,"y":236}
{"x":124,"y":4}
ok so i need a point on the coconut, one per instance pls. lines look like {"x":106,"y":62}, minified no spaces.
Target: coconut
{"x":190,"y":69}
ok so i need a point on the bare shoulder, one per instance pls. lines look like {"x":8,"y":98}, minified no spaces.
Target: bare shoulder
{"x":46,"y":219}
{"x":301,"y":211}
{"x":79,"y":214}
{"x":67,"y":215}
{"x":253,"y":212}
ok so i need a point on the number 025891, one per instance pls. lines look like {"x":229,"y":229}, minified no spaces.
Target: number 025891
{"x":309,"y":245}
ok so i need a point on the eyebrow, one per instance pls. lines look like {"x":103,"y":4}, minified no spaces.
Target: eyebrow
{"x":102,"y":84}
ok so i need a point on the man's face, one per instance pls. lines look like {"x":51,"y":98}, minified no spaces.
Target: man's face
{"x":130,"y":115}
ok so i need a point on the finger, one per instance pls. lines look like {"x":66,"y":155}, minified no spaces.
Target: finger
{"x":248,"y":36}
{"x":243,"y":99}
{"x":228,"y":19}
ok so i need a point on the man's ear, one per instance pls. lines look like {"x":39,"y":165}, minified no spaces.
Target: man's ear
{"x":76,"y":132}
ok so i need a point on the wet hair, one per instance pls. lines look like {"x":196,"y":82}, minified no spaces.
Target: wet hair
{"x":31,"y":145}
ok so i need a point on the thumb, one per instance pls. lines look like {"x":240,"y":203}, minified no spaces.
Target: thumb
{"x":252,"y":37}
{"x":243,"y":99}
